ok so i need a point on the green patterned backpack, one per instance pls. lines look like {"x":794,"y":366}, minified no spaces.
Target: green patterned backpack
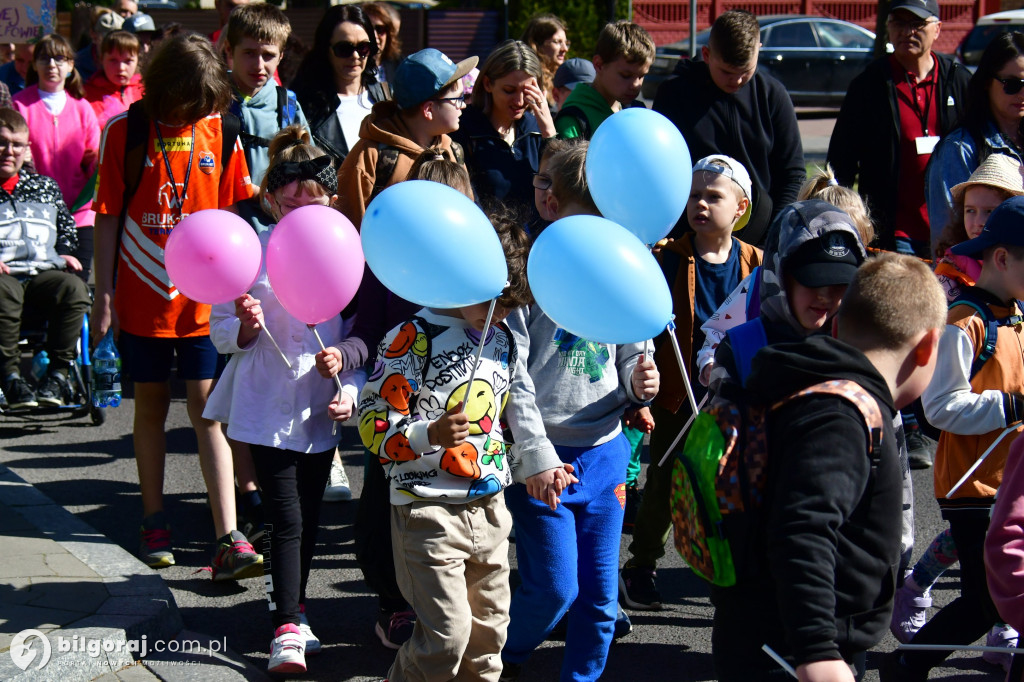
{"x":718,"y":481}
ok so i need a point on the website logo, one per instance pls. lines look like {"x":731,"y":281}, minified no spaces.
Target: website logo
{"x":30,"y":646}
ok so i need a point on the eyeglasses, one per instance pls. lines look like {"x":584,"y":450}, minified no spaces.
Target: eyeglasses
{"x":344,"y":49}
{"x":11,"y":145}
{"x":380,"y":29}
{"x":1011,"y":86}
{"x":901,"y":25}
{"x":46,"y":59}
{"x":559,"y":43}
{"x":541,"y":181}
{"x":457,"y":102}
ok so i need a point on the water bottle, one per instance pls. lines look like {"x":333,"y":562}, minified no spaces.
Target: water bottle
{"x":106,"y":373}
{"x":40,"y":364}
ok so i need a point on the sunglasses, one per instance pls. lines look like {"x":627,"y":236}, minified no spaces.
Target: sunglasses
{"x":344,"y":49}
{"x":1011,"y":86}
{"x":380,"y":29}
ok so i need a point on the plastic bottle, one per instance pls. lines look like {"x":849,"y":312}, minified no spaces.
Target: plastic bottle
{"x":40,"y":364}
{"x":106,"y":373}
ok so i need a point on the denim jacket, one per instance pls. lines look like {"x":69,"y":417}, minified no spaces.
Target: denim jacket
{"x":952,"y":162}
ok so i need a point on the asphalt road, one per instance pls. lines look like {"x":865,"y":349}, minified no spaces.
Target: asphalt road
{"x":90,"y":470}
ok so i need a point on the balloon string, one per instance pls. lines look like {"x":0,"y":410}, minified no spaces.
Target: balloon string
{"x":279,"y":351}
{"x":337,"y":379}
{"x":780,"y":660}
{"x":682,"y":431}
{"x":977,"y":463}
{"x":682,"y":366}
{"x":479,"y":352}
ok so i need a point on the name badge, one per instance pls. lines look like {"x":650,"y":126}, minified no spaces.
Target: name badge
{"x":926,"y":145}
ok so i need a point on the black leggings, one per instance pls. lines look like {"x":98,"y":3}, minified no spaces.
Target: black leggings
{"x":970,"y":615}
{"x":292,"y":488}
{"x":372,"y":529}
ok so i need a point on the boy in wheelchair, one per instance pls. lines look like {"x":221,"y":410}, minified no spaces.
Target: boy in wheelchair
{"x":37,"y":237}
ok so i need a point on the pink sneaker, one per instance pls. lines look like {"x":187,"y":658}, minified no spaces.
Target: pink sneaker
{"x":910,"y":610}
{"x":287,"y":650}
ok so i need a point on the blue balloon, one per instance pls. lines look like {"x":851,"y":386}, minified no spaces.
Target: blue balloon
{"x":431,"y":245}
{"x":598,"y":281}
{"x":639,"y":171}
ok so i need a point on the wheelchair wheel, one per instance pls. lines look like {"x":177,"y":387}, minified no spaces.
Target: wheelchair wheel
{"x":97,"y":415}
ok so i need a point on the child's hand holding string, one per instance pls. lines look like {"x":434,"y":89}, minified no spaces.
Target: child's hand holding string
{"x":645,"y":379}
{"x":451,"y":429}
{"x":340,"y":409}
{"x":250,"y":314}
{"x":328,"y":362}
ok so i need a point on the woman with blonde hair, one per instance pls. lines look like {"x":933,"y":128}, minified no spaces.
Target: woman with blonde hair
{"x":502,"y":131}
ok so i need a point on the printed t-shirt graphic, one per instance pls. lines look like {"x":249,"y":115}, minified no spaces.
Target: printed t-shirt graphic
{"x":146,"y":301}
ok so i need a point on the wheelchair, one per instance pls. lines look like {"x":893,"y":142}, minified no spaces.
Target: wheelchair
{"x":79,"y":380}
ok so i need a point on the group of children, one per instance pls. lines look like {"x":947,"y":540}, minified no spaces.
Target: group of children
{"x":545,"y":409}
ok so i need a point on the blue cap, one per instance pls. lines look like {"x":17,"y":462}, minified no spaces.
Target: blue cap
{"x":422,"y":75}
{"x":1004,"y":227}
{"x":574,"y":71}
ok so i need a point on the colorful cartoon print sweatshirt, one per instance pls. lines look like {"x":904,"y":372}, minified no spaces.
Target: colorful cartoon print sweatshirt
{"x":422,"y":370}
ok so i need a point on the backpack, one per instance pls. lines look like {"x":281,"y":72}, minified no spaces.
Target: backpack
{"x":582,"y":122}
{"x":136,"y":138}
{"x":970,"y":298}
{"x":387,"y":159}
{"x":287,"y":114}
{"x":719,"y":478}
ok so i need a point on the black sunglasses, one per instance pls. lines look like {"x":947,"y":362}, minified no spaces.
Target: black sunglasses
{"x":380,"y":29}
{"x":1011,"y":86}
{"x":344,"y":49}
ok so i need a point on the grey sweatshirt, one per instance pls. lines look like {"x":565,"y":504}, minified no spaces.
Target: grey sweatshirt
{"x":566,"y":390}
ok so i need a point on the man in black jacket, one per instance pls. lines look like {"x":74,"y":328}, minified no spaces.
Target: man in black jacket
{"x":893,"y":115}
{"x":830,"y":520}
{"x":723,"y":105}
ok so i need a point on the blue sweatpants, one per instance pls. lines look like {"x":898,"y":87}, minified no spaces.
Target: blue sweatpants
{"x":570,"y":558}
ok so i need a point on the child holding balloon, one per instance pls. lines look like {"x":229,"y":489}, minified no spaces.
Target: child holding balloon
{"x":291,"y":449}
{"x":566,"y":401}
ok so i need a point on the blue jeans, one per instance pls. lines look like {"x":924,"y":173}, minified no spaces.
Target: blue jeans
{"x":569,"y":560}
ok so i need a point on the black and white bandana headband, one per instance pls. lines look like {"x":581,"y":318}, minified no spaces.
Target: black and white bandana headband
{"x":319,"y":169}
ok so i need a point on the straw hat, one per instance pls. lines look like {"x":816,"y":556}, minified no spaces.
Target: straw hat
{"x":999,"y":171}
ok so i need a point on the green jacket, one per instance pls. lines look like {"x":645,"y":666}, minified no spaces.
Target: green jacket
{"x":593,"y":106}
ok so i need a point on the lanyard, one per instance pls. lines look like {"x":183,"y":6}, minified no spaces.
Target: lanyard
{"x":179,"y":201}
{"x":927,"y":100}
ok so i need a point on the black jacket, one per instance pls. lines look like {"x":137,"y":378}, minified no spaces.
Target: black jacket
{"x":865,"y":144}
{"x":320,"y":108}
{"x":832,"y":538}
{"x":756,"y":126}
{"x":499,"y":171}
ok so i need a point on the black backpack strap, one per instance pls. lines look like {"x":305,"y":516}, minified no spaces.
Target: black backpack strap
{"x":387,"y":159}
{"x":136,"y":137}
{"x":969,"y":297}
{"x":458,"y":153}
{"x":866,"y":405}
{"x":282,"y":106}
{"x":231,"y":129}
{"x":582,"y":122}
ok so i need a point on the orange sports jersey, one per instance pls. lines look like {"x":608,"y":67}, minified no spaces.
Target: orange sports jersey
{"x":146,"y":301}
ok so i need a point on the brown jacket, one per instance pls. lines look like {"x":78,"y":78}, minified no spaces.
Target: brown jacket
{"x":672,"y":393}
{"x":357,"y":177}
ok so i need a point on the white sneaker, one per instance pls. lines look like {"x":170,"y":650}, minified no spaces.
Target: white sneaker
{"x":910,"y":610}
{"x":337,"y":485}
{"x":312,"y":642}
{"x":1004,"y":636}
{"x":287,"y":650}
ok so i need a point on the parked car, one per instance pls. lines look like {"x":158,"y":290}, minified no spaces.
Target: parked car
{"x":987,"y":28}
{"x":814,"y":57}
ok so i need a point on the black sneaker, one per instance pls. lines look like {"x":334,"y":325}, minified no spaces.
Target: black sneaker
{"x":637,"y":589}
{"x":394,"y":629}
{"x":920,"y":449}
{"x":54,"y":390}
{"x":633,"y":499}
{"x":19,"y":394}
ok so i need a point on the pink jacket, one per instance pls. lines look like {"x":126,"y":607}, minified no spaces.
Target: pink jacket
{"x":63,"y":147}
{"x":1004,"y":544}
{"x":109,"y":100}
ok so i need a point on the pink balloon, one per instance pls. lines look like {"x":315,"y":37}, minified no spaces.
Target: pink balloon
{"x":315,"y":263}
{"x":213,"y":256}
